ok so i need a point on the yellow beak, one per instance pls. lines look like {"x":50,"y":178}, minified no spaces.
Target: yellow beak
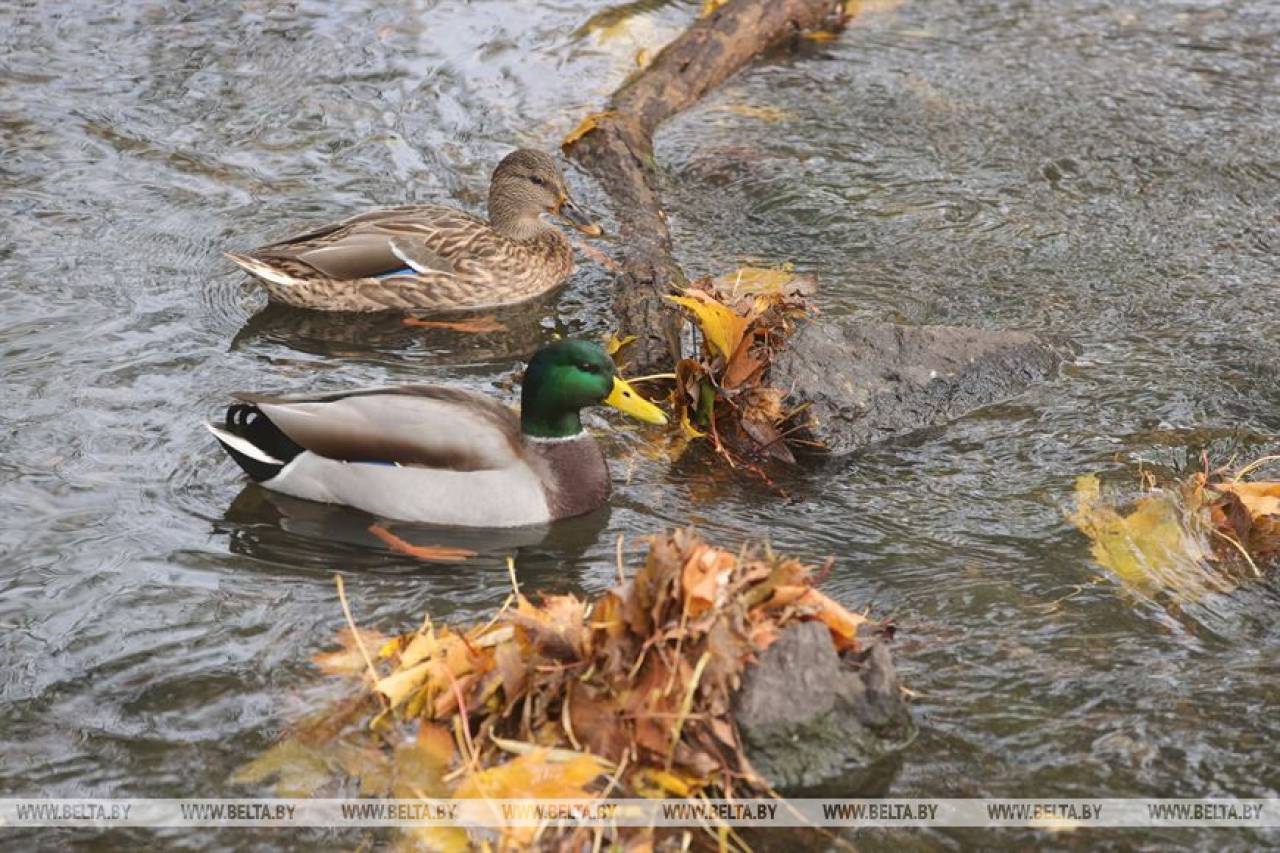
{"x":625,"y":399}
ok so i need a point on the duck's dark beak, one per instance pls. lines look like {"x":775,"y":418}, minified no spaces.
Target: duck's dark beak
{"x":571,"y":213}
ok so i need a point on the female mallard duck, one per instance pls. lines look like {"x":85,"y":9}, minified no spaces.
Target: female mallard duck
{"x":427,"y":256}
{"x":442,"y":455}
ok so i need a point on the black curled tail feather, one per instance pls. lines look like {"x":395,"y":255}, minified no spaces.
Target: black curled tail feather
{"x":246,"y":421}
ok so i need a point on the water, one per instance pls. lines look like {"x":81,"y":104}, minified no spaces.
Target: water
{"x":1110,"y":173}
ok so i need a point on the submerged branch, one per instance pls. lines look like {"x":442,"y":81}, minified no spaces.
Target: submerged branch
{"x":616,"y":147}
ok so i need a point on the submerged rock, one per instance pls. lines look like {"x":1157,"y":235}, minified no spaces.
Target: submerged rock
{"x":868,"y":381}
{"x":806,"y":714}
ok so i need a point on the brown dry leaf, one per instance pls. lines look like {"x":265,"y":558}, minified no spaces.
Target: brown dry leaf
{"x":421,"y":647}
{"x":766,"y":436}
{"x":749,"y":279}
{"x":553,"y":630}
{"x":512,"y":668}
{"x":745,"y":366}
{"x":598,"y":723}
{"x":473,"y":326}
{"x":763,"y":633}
{"x":430,"y":553}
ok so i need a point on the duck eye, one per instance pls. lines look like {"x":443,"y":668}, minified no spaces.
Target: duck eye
{"x":587,"y":367}
{"x":537,"y":180}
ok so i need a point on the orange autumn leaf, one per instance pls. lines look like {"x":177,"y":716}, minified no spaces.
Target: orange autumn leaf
{"x":702,"y":576}
{"x":1261,"y":498}
{"x":744,"y":365}
{"x":842,"y":623}
{"x":785,"y":594}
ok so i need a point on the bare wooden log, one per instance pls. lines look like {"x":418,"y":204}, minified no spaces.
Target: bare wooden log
{"x":618,"y":151}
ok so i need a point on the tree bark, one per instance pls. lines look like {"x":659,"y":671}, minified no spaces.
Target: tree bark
{"x":618,"y":152}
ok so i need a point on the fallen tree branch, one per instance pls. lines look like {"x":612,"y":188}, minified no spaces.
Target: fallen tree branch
{"x":616,"y":147}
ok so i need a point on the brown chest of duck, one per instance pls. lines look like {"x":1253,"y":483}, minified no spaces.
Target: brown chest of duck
{"x":442,"y":455}
{"x":432,"y":257}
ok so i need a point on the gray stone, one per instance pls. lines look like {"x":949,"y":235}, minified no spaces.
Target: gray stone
{"x":868,"y":382}
{"x":806,"y":714}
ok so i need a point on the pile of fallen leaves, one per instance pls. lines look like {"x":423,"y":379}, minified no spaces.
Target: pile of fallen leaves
{"x":723,"y":392}
{"x":1188,"y":538}
{"x":628,"y":695}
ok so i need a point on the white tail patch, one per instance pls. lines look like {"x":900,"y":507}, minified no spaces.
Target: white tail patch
{"x":260,"y":270}
{"x":242,"y":446}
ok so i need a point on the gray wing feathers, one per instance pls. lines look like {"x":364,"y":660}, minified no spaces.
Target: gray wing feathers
{"x":377,"y":242}
{"x":434,"y":428}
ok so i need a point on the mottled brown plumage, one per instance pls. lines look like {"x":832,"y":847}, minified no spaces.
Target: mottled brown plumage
{"x":432,"y":257}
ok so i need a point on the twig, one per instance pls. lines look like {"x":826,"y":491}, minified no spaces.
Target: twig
{"x":355,"y":632}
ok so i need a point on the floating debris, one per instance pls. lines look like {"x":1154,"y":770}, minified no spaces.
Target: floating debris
{"x":1204,"y":534}
{"x":626,"y":695}
{"x":723,"y":392}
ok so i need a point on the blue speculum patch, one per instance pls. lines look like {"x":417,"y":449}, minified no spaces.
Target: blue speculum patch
{"x":401,"y":271}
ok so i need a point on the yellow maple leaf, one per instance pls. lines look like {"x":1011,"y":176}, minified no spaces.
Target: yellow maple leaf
{"x":617,"y":342}
{"x":722,"y":327}
{"x":534,"y":774}
{"x":584,"y":127}
{"x":1159,"y":546}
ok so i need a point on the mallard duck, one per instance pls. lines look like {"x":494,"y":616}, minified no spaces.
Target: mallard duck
{"x":428,"y":256}
{"x":438,"y":454}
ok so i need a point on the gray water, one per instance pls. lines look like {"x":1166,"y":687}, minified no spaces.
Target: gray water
{"x":1106,"y":172}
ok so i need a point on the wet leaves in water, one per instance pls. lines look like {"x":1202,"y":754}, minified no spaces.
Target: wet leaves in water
{"x":564,"y":698}
{"x":1186,"y":539}
{"x":744,"y":318}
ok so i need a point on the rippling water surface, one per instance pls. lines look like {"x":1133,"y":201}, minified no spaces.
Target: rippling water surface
{"x":1110,"y":172}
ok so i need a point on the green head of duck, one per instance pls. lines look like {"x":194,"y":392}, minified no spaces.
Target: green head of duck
{"x":565,"y":377}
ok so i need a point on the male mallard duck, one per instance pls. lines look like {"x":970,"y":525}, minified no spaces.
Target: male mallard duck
{"x":427,"y":256}
{"x":442,"y":455}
